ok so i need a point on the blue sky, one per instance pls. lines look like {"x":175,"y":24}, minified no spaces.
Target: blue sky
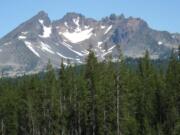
{"x":160,"y":14}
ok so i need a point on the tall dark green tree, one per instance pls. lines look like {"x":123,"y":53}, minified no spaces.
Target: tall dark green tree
{"x":90,"y":76}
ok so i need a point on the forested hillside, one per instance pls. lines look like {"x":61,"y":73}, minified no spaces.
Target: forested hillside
{"x":95,"y":99}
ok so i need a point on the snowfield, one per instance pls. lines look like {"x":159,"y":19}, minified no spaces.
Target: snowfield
{"x":76,"y":37}
{"x":30,"y":46}
{"x":46,"y":30}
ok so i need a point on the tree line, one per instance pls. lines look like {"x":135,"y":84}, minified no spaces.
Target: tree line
{"x":99,"y":98}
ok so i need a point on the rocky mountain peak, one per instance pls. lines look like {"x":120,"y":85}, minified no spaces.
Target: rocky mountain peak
{"x":41,"y":16}
{"x":72,"y":15}
{"x":39,"y":39}
{"x":42,"y":13}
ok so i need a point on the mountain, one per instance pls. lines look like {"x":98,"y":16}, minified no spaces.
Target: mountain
{"x":28,"y":48}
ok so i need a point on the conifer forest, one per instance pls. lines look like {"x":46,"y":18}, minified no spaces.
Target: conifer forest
{"x":98,"y":98}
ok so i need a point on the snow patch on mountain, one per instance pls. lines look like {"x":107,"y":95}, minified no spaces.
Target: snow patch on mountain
{"x":76,"y":21}
{"x":78,"y":36}
{"x":24,"y":33}
{"x":46,"y":30}
{"x":103,"y":27}
{"x":67,"y":45}
{"x":70,"y":48}
{"x":46,"y":48}
{"x":62,"y":56}
{"x":30,"y":46}
{"x":100,"y":43}
{"x":112,"y":48}
{"x":66,"y":24}
{"x":21,"y":37}
{"x":41,"y":22}
{"x":160,"y":43}
{"x":108,"y":51}
{"x":85,"y":52}
{"x":108,"y":29}
{"x":86,"y":27}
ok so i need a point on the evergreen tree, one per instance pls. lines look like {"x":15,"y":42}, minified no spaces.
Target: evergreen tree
{"x":90,"y":76}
